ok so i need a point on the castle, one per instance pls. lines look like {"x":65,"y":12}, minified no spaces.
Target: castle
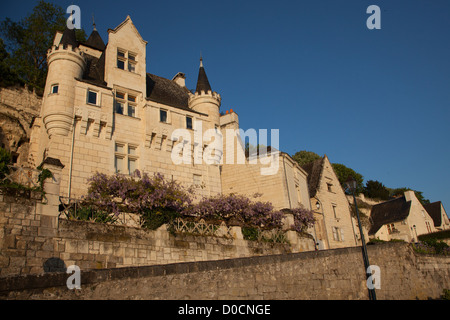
{"x":102,"y":112}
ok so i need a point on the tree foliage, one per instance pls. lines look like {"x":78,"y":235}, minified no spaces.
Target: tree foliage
{"x":304,"y":157}
{"x":376,"y":190}
{"x":7,"y":76}
{"x":398,"y":192}
{"x":28,"y":40}
{"x":5,"y":160}
{"x":343,"y":173}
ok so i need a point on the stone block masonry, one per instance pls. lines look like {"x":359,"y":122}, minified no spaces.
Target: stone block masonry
{"x":31,"y":238}
{"x":331,"y":274}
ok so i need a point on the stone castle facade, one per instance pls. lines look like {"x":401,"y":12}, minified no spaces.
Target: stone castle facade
{"x":102,"y":112}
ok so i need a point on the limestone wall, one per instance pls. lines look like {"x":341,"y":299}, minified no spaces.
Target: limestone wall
{"x":330,"y":274}
{"x":31,"y":242}
{"x":18,"y":107}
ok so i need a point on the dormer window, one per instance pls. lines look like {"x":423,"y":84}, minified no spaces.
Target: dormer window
{"x":126,"y":60}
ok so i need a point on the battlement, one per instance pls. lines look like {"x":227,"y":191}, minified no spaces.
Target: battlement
{"x":202,"y":93}
{"x":67,"y":47}
{"x":72,"y":53}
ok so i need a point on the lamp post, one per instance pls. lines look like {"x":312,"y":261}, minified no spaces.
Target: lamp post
{"x":351,"y":185}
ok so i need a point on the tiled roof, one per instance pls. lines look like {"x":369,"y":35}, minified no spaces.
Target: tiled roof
{"x":95,"y":41}
{"x":69,"y":37}
{"x":95,"y":70}
{"x":314,"y":170}
{"x":434,"y":210}
{"x":389,"y":212}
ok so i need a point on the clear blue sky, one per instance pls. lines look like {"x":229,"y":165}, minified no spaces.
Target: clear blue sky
{"x":377,"y":101}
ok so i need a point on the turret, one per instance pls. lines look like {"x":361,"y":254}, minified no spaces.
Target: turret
{"x":65,"y":63}
{"x":205,"y":100}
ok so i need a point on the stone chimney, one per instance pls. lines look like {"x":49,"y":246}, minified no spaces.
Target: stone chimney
{"x":180,"y":79}
{"x":410,"y":195}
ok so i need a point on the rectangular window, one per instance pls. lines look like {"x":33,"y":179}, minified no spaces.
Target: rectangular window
{"x":131,"y":165}
{"x":118,"y":163}
{"x":119,"y":148}
{"x":126,"y":60}
{"x":197,"y":181}
{"x":132,"y":150}
{"x":334,"y":211}
{"x":92,"y":97}
{"x":336,"y":234}
{"x":125,"y":158}
{"x":125,"y":104}
{"x":188,"y":122}
{"x":119,"y":107}
{"x":163,"y":116}
{"x":329,"y":185}
{"x":131,"y":111}
{"x":120,"y":64}
{"x":120,"y":95}
{"x":428,"y":226}
{"x":121,"y":59}
{"x":390,"y":228}
{"x":54,"y":88}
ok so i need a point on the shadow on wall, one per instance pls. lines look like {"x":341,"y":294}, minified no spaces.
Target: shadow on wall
{"x":54,"y":265}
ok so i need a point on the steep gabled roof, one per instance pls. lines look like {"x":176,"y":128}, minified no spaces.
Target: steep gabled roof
{"x":389,"y":212}
{"x":434,"y":210}
{"x":128,"y":19}
{"x":314,"y":171}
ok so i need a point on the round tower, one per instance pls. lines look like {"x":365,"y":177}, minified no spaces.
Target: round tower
{"x":65,"y":63}
{"x":204,"y":100}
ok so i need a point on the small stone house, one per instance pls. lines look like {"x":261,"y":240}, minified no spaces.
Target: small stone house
{"x":438,"y":214}
{"x":403,"y":218}
{"x":334,"y":227}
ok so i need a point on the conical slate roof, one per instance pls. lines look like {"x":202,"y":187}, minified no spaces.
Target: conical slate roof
{"x":202,"y":81}
{"x":95,"y":41}
{"x":69,"y":37}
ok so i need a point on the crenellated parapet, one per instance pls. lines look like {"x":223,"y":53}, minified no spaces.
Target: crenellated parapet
{"x":208,"y":94}
{"x":66,"y":52}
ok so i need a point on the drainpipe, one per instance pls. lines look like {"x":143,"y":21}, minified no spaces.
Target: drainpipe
{"x":71,"y":158}
{"x":287,"y":185}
